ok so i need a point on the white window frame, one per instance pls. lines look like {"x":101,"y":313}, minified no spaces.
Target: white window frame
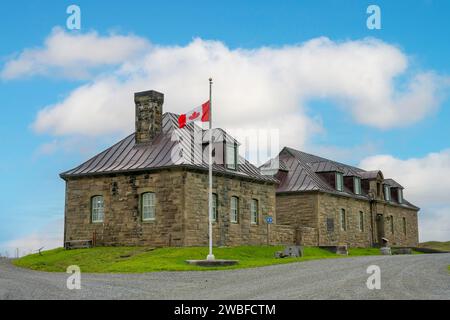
{"x":214,"y":207}
{"x":254,"y":211}
{"x":234,"y":209}
{"x":400,"y":195}
{"x":148,"y":206}
{"x":357,"y":185}
{"x":231,"y":151}
{"x":339,"y":181}
{"x":97,"y":209}
{"x":343,"y":220}
{"x":387,"y":193}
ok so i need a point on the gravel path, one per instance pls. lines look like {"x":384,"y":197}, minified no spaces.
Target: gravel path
{"x":402,"y":277}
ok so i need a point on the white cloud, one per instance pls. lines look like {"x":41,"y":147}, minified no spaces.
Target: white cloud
{"x":427,"y":184}
{"x":72,"y":55}
{"x":434,"y":224}
{"x":427,"y":179}
{"x":49,"y":237}
{"x":259,"y":87}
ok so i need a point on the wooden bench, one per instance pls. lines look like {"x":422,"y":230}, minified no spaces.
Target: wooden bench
{"x":78,"y":244}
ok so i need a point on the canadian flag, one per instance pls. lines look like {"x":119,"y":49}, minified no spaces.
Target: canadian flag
{"x":201,"y":113}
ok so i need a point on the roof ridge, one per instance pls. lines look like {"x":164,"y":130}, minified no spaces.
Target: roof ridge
{"x":337,"y":163}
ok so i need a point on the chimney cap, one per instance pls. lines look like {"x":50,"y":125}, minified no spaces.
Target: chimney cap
{"x":152,"y":94}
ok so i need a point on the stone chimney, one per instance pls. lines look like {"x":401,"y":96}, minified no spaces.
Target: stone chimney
{"x":149,"y":110}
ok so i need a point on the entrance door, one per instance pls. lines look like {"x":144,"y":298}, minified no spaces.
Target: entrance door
{"x":380,"y":228}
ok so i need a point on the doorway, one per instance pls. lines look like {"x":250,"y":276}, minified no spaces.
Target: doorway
{"x":380,"y":228}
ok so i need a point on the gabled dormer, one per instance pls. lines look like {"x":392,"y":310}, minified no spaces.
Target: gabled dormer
{"x":353,"y":182}
{"x":394,"y":191}
{"x":331,"y":173}
{"x":372,"y":183}
{"x":225,"y":149}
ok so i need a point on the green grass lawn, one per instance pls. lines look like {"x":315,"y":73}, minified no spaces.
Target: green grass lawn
{"x":443,"y":246}
{"x":139,"y":259}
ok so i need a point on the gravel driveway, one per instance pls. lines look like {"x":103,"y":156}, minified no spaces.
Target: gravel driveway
{"x":402,"y":277}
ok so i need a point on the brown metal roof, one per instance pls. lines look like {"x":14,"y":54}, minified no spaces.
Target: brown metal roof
{"x":393,"y":183}
{"x":304,"y":174}
{"x":164,"y":151}
{"x":370,"y":174}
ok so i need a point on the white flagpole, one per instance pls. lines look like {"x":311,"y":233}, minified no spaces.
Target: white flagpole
{"x":210,"y":255}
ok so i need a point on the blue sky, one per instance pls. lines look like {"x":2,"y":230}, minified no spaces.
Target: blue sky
{"x":31,"y":192}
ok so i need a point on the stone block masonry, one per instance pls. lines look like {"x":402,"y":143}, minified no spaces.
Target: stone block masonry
{"x":181,"y":210}
{"x":318,"y":220}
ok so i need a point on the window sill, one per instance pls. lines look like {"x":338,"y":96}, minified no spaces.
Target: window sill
{"x":149,"y":221}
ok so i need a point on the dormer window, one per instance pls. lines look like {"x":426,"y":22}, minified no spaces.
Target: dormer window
{"x":339,"y":181}
{"x":357,"y":185}
{"x":387,"y":193}
{"x":231,"y":156}
{"x":400,"y":195}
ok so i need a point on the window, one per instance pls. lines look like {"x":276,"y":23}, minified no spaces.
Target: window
{"x":392,"y":224}
{"x":387,"y":193}
{"x":404,"y":226}
{"x":339,"y":181}
{"x":357,"y":185}
{"x":97,"y":209}
{"x":148,"y":206}
{"x":234,"y":210}
{"x":330,"y":225}
{"x":254,"y":211}
{"x":214,"y":207}
{"x":400,"y":195}
{"x":231,"y":156}
{"x":343,"y":220}
{"x":361,"y":221}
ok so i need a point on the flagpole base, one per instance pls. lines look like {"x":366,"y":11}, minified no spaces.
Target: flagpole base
{"x":210,"y":257}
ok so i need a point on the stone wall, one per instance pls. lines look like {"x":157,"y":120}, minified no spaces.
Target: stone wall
{"x":306,"y":236}
{"x":333,"y":232}
{"x":182,"y":213}
{"x":225,"y":232}
{"x":299,"y":209}
{"x":329,"y":210}
{"x":399,"y":237}
{"x":282,"y":234}
{"x":123,"y":223}
{"x":181,"y":210}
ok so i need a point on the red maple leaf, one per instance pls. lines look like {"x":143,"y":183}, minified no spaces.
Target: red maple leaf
{"x":194,"y":115}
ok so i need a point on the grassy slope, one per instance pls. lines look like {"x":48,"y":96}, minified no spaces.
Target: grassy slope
{"x":444,"y":246}
{"x":138,"y":259}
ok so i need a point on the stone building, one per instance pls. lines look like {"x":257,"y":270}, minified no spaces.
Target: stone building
{"x":151,"y":188}
{"x":330,"y":203}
